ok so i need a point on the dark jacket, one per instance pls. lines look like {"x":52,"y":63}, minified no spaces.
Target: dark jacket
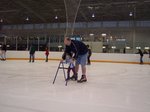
{"x":32,"y":50}
{"x":89,"y":52}
{"x":76,"y":47}
{"x":141,"y":53}
{"x":4,"y":48}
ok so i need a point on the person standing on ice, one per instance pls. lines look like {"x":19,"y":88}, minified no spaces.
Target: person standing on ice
{"x":46,"y":53}
{"x":80,"y":56}
{"x":69,"y":60}
{"x":89,"y":55}
{"x":32,"y":53}
{"x":149,"y":53}
{"x":141,"y":56}
{"x":3,"y":52}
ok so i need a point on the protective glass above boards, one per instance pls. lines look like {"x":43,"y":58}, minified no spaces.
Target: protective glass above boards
{"x":76,"y":37}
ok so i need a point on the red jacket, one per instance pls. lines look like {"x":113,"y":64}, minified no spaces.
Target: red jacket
{"x":46,"y":52}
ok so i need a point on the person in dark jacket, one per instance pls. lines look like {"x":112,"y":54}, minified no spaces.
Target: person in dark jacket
{"x":3,"y":55}
{"x":80,"y":55}
{"x":89,"y":55}
{"x":46,"y":53}
{"x":32,"y":53}
{"x":141,"y":56}
{"x":149,"y":53}
{"x":124,"y":50}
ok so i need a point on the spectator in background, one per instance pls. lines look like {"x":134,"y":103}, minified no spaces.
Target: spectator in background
{"x":46,"y":53}
{"x":141,"y":56}
{"x":124,"y":50}
{"x":32,"y":53}
{"x":3,"y":52}
{"x":89,"y":55}
{"x":149,"y":53}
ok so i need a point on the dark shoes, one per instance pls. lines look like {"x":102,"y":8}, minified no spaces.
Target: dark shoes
{"x":74,"y":77}
{"x":3,"y":59}
{"x":68,"y":78}
{"x":30,"y":61}
{"x":83,"y":79}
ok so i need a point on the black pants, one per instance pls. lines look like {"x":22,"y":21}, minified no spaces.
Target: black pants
{"x":31,"y":58}
{"x":46,"y":60}
{"x":88,"y":59}
{"x":69,"y":70}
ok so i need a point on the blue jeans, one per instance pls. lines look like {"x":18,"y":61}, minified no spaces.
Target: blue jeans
{"x":141,"y":60}
{"x":82,"y":59}
{"x":31,"y":57}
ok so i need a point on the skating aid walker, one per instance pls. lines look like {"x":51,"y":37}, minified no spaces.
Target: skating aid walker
{"x":61,"y":66}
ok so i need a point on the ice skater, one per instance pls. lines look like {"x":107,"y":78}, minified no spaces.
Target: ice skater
{"x":124,"y":51}
{"x":89,"y":55}
{"x":149,"y":53}
{"x":46,"y":54}
{"x":0,"y":53}
{"x":141,"y":56}
{"x":3,"y":52}
{"x":32,"y":53}
{"x":80,"y":56}
{"x":69,"y":60}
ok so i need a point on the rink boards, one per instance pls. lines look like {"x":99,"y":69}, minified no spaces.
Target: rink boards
{"x":96,"y":57}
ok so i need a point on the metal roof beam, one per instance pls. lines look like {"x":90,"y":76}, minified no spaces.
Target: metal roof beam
{"x":29,"y":10}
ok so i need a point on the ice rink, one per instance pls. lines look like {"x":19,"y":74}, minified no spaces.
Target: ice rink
{"x":27,"y":87}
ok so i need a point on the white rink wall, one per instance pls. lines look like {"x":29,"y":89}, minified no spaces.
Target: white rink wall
{"x":119,"y":57}
{"x":95,"y":56}
{"x":38,"y":54}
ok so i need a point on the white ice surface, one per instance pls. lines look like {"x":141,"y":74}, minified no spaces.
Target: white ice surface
{"x":27,"y":87}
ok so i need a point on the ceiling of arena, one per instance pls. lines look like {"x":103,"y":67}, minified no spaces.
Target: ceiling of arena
{"x":45,"y":11}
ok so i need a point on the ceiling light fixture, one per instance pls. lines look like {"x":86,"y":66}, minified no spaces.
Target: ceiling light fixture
{"x":131,"y":14}
{"x":56,"y":17}
{"x":103,"y":34}
{"x":1,"y":20}
{"x":93,"y":15}
{"x":27,"y":19}
{"x":91,"y":34}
